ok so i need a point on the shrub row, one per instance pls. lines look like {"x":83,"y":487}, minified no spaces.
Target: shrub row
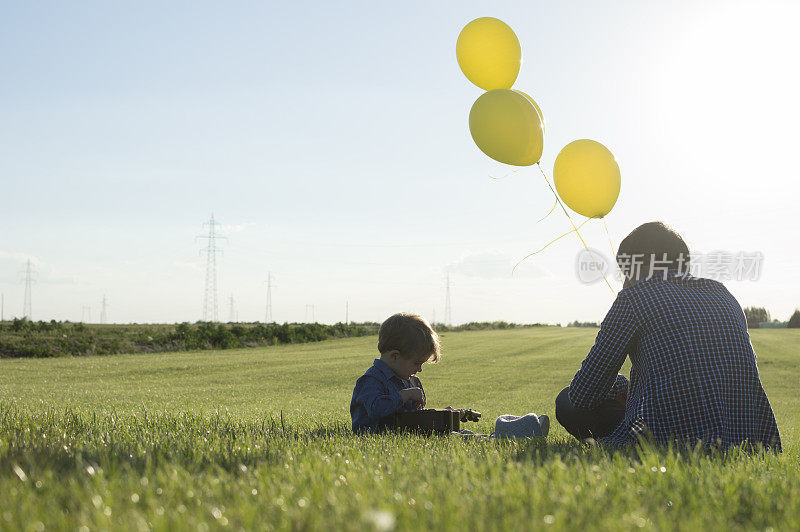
{"x":23,"y":338}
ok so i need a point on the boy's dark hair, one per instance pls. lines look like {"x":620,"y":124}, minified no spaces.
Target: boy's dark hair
{"x":410,"y":334}
{"x":650,"y":249}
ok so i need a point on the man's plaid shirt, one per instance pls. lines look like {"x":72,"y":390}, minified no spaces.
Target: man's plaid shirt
{"x":693,"y":368}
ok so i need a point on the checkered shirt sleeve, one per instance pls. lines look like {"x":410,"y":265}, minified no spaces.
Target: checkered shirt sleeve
{"x":598,"y":379}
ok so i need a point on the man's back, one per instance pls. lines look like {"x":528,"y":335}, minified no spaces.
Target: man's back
{"x":693,"y":373}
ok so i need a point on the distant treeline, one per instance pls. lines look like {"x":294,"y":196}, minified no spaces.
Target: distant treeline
{"x":577,"y":323}
{"x":23,"y":338}
{"x":483,"y":325}
{"x":759,"y":318}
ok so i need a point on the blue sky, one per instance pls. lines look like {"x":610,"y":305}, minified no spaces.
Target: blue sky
{"x":332,"y":143}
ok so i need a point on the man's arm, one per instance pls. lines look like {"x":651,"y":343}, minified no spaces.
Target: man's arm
{"x":619,"y":390}
{"x":598,"y":378}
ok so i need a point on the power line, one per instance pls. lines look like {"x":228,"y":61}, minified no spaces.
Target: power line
{"x":313,"y":319}
{"x":210,"y":306}
{"x":347,"y":312}
{"x":86,"y":314}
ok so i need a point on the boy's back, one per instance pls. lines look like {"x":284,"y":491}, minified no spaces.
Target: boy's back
{"x":377,"y":396}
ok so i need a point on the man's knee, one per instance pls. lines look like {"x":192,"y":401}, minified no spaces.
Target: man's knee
{"x":572,"y":419}
{"x":582,"y":423}
{"x":563,"y":405}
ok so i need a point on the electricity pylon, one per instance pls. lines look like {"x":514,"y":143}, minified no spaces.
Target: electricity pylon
{"x":26,"y":309}
{"x":103,"y":313}
{"x":232,"y":317}
{"x":268,"y":315}
{"x":210,"y":306}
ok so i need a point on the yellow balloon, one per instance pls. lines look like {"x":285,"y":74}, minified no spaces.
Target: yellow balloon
{"x":506,"y":127}
{"x":489,"y":54}
{"x":535,"y":105}
{"x":587,"y":178}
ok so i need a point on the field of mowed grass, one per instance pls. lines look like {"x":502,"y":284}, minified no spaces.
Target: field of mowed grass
{"x":259,"y":439}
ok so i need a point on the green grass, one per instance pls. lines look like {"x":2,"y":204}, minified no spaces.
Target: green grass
{"x":196,"y":440}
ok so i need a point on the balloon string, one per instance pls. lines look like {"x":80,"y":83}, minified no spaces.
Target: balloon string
{"x":526,"y":257}
{"x":576,"y":229}
{"x":505,"y":176}
{"x":613,"y":252}
{"x":549,"y":213}
{"x":511,"y":170}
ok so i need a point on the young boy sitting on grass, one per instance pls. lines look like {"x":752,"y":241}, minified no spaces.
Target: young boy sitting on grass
{"x":405,"y":342}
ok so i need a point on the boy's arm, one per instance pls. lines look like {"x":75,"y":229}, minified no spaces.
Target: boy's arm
{"x":598,"y":378}
{"x":418,"y":384}
{"x":371,"y":393}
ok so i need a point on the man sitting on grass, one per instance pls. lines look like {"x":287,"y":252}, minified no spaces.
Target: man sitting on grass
{"x":693,"y":369}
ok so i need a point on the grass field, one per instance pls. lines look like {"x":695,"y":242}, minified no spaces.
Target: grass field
{"x":259,"y":438}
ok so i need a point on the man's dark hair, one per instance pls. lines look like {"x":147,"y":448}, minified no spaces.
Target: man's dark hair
{"x":651,"y":249}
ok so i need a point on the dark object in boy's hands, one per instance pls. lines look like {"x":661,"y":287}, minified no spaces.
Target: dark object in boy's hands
{"x":465,"y":414}
{"x":470,"y":415}
{"x":427,"y":421}
{"x":432,"y":421}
